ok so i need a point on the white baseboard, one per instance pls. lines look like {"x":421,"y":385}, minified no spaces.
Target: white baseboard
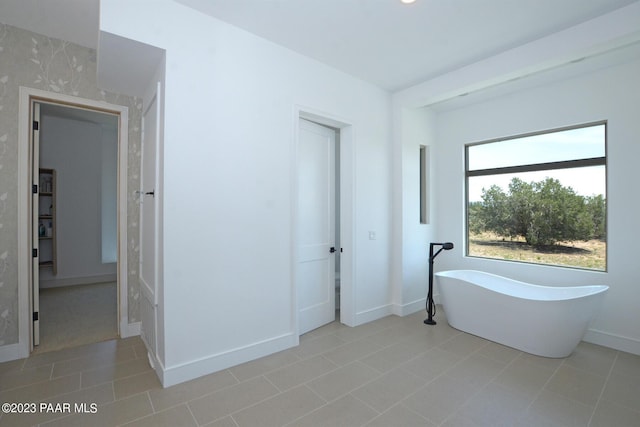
{"x":13,"y":352}
{"x":409,"y":308}
{"x":617,"y":342}
{"x":74,"y":281}
{"x":373,"y":314}
{"x":129,"y":330}
{"x":187,"y":371}
{"x":157,"y":366}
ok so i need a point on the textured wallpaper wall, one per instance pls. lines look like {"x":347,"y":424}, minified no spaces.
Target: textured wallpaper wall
{"x":32,"y":60}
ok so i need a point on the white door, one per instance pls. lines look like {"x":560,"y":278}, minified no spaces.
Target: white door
{"x":315,"y":272}
{"x":35,"y":243}
{"x":148,"y":223}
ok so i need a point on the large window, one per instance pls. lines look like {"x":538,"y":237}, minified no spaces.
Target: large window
{"x":539,"y":198}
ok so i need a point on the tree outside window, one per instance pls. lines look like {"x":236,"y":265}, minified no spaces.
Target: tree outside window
{"x":539,"y":198}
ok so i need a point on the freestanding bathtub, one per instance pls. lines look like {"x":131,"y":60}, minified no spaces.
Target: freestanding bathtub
{"x":542,"y":320}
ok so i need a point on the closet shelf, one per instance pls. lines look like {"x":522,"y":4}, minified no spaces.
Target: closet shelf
{"x":47,"y":250}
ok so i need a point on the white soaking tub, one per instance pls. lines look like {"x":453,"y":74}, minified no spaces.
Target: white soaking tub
{"x":542,"y":320}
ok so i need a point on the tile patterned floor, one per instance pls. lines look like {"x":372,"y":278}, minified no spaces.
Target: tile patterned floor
{"x":391,"y":372}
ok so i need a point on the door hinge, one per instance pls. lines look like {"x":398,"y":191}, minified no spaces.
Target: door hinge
{"x":36,"y":125}
{"x":34,"y":188}
{"x":35,"y":316}
{"x":34,"y":252}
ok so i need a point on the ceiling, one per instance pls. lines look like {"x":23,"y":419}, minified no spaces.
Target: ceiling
{"x":75,"y":21}
{"x":385,"y":42}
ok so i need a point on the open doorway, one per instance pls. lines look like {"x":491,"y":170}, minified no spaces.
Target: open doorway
{"x":41,"y":237}
{"x":323,"y":225}
{"x":317,"y":215}
{"x":77,"y":226}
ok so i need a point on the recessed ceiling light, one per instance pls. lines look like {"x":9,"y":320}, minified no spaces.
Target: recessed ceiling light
{"x":408,"y":1}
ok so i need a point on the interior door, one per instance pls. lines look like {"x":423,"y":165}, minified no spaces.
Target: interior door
{"x":35,"y":209}
{"x":316,"y":226}
{"x":148,"y":223}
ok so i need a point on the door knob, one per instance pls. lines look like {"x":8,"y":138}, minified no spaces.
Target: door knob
{"x":332,"y":249}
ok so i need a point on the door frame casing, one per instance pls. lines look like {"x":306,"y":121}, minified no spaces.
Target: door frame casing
{"x":347,"y":212}
{"x":25,"y":279}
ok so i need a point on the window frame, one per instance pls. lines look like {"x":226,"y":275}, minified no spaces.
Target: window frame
{"x":424,"y":184}
{"x":535,"y":167}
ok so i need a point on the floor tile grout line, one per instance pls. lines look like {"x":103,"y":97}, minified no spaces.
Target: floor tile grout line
{"x":256,"y":403}
{"x":202,"y":396}
{"x":235,"y":377}
{"x":153,"y":408}
{"x":113,"y":381}
{"x":146,"y":371}
{"x":542,"y":389}
{"x":326,"y":402}
{"x":380,"y":375}
{"x":400,"y":342}
{"x":361,"y":338}
{"x":76,"y":352}
{"x":324,"y":405}
{"x":441,"y":374}
{"x":631,"y":408}
{"x":215,"y":420}
{"x":113,"y":391}
{"x":270,"y":371}
{"x":451,"y":368}
{"x":480,"y":389}
{"x":337,"y":367}
{"x":276,"y":387}
{"x":347,"y":341}
{"x":344,"y":345}
{"x":377,"y":411}
{"x":587,"y":371}
{"x":234,"y":420}
{"x":71,"y":360}
{"x":27,"y":384}
{"x":248,"y":406}
{"x":144,"y":416}
{"x":604,"y":386}
{"x":567,"y":397}
{"x":405,"y":408}
{"x":56,"y":396}
{"x":98,"y":367}
{"x":382,"y":349}
{"x":306,"y":385}
{"x":329,"y":402}
{"x":48,"y":380}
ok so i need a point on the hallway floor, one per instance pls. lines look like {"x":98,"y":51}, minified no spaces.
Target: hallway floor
{"x":75,"y":315}
{"x":391,"y":372}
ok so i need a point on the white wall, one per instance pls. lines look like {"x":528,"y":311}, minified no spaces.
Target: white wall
{"x":610,"y":94}
{"x":413,"y":128}
{"x":109,"y":193}
{"x":228,"y":149}
{"x":74,"y":149}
